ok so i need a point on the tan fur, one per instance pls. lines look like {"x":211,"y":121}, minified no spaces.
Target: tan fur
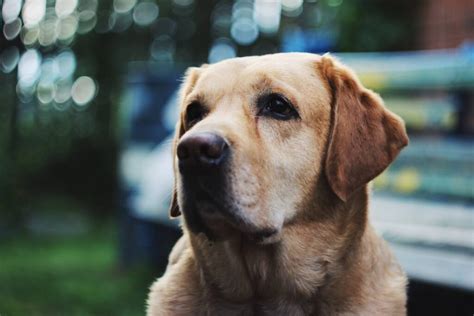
{"x":306,"y":179}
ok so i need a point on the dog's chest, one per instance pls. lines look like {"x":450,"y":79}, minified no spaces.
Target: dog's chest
{"x":263,"y":308}
{"x":274,"y":279}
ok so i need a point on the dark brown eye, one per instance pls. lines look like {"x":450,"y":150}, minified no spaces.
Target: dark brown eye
{"x":194,"y":113}
{"x":278,"y":107}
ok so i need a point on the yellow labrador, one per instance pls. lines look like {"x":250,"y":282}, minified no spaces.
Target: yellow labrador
{"x":273,"y":155}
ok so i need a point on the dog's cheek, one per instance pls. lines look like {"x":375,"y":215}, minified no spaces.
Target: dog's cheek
{"x":295,"y":166}
{"x":248,"y":183}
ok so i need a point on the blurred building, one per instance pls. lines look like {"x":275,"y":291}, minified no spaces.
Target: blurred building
{"x":445,"y":23}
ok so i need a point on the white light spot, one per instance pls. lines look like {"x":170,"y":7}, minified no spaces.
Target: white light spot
{"x":83,"y":90}
{"x":267,"y":15}
{"x":10,"y":10}
{"x":64,"y":8}
{"x":291,"y":5}
{"x":33,"y":12}
{"x":145,"y":13}
{"x":29,"y":68}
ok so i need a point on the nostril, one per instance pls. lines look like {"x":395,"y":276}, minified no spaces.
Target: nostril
{"x":182,"y":152}
{"x":214,"y":150}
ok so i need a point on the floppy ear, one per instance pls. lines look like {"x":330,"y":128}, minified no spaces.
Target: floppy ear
{"x":174,"y":207}
{"x":365,"y":137}
{"x":190,"y":79}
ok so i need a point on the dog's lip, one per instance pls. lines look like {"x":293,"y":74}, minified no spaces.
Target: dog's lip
{"x":263,"y":236}
{"x":214,"y":209}
{"x":210,"y":212}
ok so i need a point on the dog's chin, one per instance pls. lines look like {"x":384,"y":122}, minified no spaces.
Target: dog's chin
{"x":263,"y":236}
{"x":219,"y":225}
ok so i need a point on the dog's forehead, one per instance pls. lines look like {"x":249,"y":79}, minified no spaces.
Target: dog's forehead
{"x":257,"y":72}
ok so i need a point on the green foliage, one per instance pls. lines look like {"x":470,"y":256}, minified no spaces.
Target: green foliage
{"x":69,"y":276}
{"x":374,"y":25}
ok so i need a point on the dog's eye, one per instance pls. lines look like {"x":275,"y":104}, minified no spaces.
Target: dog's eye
{"x":276,"y":106}
{"x":194,"y":113}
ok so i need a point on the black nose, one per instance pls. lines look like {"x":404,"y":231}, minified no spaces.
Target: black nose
{"x":202,"y":149}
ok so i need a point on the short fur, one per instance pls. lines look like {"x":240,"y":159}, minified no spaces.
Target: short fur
{"x":306,"y":179}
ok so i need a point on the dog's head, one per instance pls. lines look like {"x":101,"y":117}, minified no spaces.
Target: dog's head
{"x":258,"y":135}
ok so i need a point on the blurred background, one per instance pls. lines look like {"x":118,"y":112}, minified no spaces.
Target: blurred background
{"x":88,"y":104}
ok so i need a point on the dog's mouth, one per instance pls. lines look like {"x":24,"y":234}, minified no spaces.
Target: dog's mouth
{"x":210,"y":212}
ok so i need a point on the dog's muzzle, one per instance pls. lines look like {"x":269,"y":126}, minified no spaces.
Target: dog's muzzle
{"x":203,"y":166}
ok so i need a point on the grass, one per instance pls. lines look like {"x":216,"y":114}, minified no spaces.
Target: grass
{"x":69,"y":276}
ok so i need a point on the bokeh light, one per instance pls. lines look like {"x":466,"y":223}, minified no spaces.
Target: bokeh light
{"x":45,"y":92}
{"x":123,"y":6}
{"x":87,"y":21}
{"x":182,"y":7}
{"x":49,"y":71}
{"x":221,"y":18}
{"x":145,"y":13}
{"x":66,"y":64}
{"x":12,"y":29}
{"x":292,"y":8}
{"x":29,"y":36}
{"x":62,"y":91}
{"x":33,"y":12}
{"x":221,"y":49}
{"x":267,"y":16}
{"x":244,"y":29}
{"x":67,"y":27}
{"x":9,"y":59}
{"x":48,"y":28}
{"x":57,"y":132}
{"x":83,"y":90}
{"x":29,"y":68}
{"x":10,"y":10}
{"x":87,"y":5}
{"x":65,"y":7}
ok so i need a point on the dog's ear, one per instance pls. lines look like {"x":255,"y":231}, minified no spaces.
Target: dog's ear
{"x":174,"y":210}
{"x":365,"y":137}
{"x":189,"y":82}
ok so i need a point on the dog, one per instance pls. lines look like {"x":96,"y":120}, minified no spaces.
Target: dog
{"x":273,"y":156}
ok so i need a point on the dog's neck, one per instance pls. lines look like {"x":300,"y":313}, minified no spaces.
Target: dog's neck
{"x":292,"y":269}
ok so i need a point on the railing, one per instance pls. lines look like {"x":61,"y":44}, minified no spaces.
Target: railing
{"x":430,"y":220}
